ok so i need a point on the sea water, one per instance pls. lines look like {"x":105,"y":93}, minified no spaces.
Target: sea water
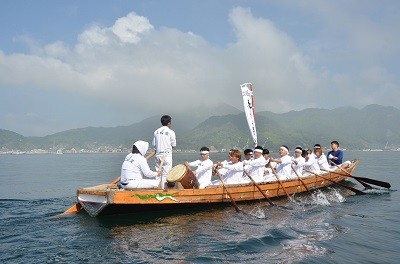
{"x":329,"y":226}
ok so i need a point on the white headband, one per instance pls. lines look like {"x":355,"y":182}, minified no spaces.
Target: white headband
{"x":258,"y":150}
{"x":204,"y":152}
{"x":284,"y":148}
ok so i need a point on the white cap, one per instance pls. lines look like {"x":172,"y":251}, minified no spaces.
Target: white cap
{"x":142,"y":146}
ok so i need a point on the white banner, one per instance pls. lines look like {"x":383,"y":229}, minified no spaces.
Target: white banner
{"x":248,"y":103}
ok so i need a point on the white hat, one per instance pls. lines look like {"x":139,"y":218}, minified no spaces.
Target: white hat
{"x":142,"y":146}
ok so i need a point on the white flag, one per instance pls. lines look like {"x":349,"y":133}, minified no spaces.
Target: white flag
{"x":248,"y":103}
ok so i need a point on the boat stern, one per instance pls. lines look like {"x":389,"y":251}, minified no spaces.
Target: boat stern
{"x":93,"y":199}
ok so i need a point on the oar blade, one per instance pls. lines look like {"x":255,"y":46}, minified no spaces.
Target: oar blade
{"x":363,"y":179}
{"x":73,"y":209}
{"x":374,"y":182}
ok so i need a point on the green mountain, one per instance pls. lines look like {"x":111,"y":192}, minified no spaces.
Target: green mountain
{"x":372,"y":127}
{"x":10,"y":140}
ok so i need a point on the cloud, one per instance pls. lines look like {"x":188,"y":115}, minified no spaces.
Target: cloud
{"x":129,"y":28}
{"x":132,"y":66}
{"x":270,"y":59}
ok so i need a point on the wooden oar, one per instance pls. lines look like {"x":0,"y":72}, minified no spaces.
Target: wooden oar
{"x":338,"y":183}
{"x":258,"y":187}
{"x":366,"y":186}
{"x":277,"y":178}
{"x":366,"y":180}
{"x":226,"y":189}
{"x":77,"y":206}
{"x":73,"y":209}
{"x":298,"y":177}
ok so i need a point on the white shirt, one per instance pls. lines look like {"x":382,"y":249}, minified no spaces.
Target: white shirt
{"x":255,"y":168}
{"x":323,"y":163}
{"x":203,"y":171}
{"x":284,"y":168}
{"x":311,"y":164}
{"x":135,"y":167}
{"x":164,"y":140}
{"x":234,"y":172}
{"x":299,"y":166}
{"x":221,"y":169}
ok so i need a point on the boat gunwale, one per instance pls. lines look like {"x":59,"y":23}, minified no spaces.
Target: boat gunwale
{"x":311,"y":181}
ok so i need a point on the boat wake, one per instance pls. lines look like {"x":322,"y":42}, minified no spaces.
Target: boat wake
{"x":258,"y":212}
{"x":324,"y":198}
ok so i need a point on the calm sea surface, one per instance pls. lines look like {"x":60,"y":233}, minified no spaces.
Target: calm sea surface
{"x":327,"y":227}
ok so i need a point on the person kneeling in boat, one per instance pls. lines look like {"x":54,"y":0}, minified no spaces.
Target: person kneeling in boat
{"x":255,"y":168}
{"x":232,"y":170}
{"x":204,"y":168}
{"x":135,"y":168}
{"x":284,"y":164}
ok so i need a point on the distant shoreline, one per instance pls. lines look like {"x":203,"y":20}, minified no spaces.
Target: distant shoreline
{"x":128,"y":151}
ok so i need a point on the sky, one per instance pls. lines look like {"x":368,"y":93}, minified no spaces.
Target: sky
{"x":72,"y":64}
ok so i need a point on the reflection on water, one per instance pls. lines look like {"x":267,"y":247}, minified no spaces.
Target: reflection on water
{"x":276,"y":233}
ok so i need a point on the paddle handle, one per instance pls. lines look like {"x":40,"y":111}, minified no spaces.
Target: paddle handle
{"x":226,"y":189}
{"x":258,"y":187}
{"x":280,"y":183}
{"x":298,"y":177}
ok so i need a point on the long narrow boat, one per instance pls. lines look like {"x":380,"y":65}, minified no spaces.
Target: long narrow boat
{"x":106,"y":199}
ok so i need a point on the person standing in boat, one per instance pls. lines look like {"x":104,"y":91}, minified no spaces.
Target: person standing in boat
{"x":204,"y":168}
{"x":232,"y":170}
{"x":164,"y":141}
{"x":283,"y":164}
{"x":255,"y":167}
{"x":135,"y":171}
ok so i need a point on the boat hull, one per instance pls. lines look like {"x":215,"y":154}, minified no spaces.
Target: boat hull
{"x":108,"y":199}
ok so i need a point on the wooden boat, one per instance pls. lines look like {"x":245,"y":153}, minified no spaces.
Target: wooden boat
{"x":106,"y":199}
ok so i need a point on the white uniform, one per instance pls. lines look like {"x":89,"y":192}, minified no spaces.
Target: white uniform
{"x":312,"y":164}
{"x":135,"y":167}
{"x":268,"y":174}
{"x":164,"y":141}
{"x":284,"y":168}
{"x":203,"y":171}
{"x":323,"y":163}
{"x":233,"y":173}
{"x":255,"y":168}
{"x":222,"y":170}
{"x":299,"y":166}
